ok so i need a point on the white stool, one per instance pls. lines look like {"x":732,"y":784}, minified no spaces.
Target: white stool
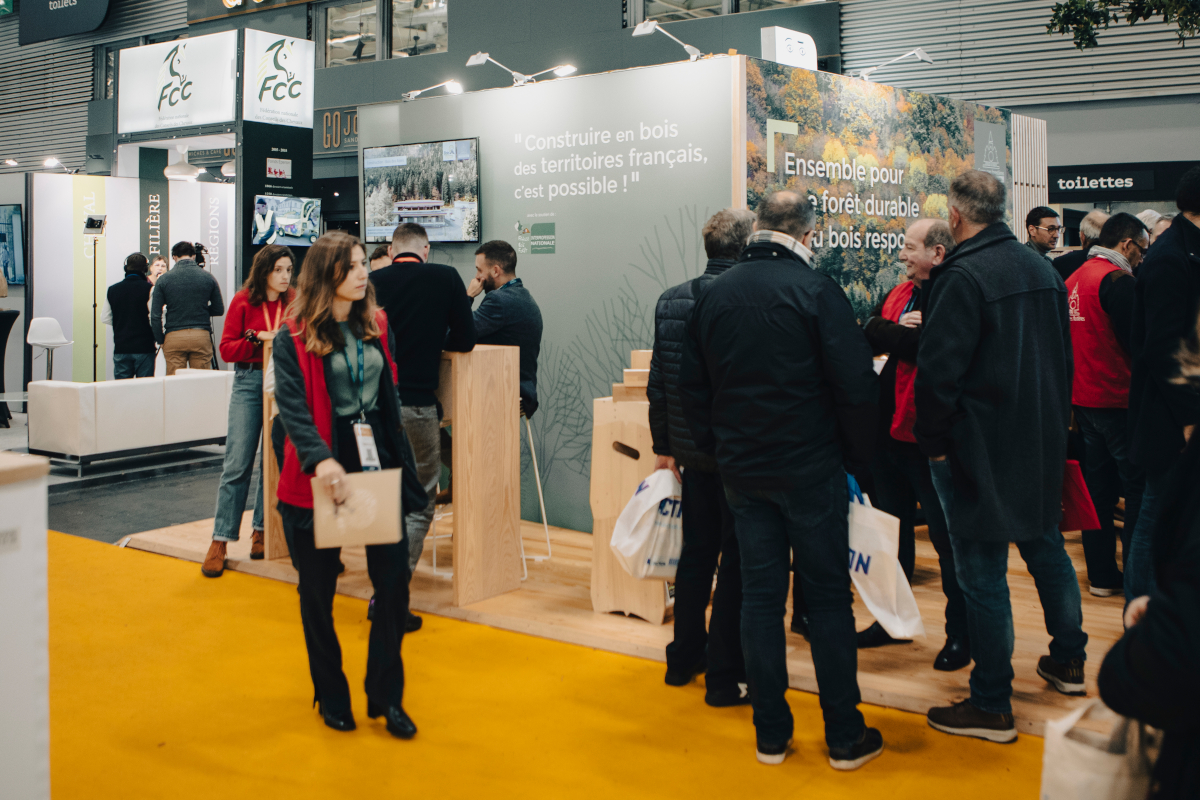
{"x":45,"y":332}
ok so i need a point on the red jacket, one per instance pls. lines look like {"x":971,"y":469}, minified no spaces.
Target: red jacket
{"x":906,"y":371}
{"x":295,"y":485}
{"x":1102,"y":367}
{"x":242,"y":316}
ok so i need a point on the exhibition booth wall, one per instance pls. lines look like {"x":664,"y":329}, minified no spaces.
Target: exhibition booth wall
{"x":69,"y":271}
{"x":604,"y":182}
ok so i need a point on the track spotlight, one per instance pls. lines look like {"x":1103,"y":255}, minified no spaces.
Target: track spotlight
{"x":918,"y":52}
{"x":452,"y":87}
{"x":651,"y":25}
{"x":520,"y":79}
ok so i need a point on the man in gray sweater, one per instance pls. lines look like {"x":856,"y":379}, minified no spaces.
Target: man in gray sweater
{"x":192,"y":297}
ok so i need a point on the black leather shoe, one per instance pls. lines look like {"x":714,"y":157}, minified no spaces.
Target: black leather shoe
{"x":339,"y":722}
{"x":739,"y":695}
{"x":398,"y":723}
{"x":955,"y":655}
{"x":679,"y":677}
{"x":800,"y":625}
{"x":876,"y":636}
{"x":413,"y":623}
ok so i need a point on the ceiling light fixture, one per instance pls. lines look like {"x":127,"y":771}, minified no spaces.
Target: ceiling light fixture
{"x":229,"y":169}
{"x":54,"y":162}
{"x":918,"y":52}
{"x":12,"y":162}
{"x":520,"y":79}
{"x":181,"y":171}
{"x":452,"y":87}
{"x":651,"y":25}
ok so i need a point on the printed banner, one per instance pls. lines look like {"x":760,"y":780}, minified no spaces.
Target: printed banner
{"x":182,"y":83}
{"x":277,"y":76}
{"x":872,"y":159}
{"x":90,"y":280}
{"x":155,"y":202}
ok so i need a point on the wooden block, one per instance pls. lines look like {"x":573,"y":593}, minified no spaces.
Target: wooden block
{"x":637,"y":377}
{"x":274,"y":542}
{"x":615,"y":477}
{"x":640,"y":359}
{"x":624,"y":394}
{"x":485,"y":390}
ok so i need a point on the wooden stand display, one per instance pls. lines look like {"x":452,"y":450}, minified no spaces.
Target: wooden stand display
{"x":621,"y":458}
{"x":480,"y":396}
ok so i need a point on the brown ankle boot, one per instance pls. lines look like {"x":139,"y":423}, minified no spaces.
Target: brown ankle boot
{"x":214,"y":562}
{"x":256,"y":546}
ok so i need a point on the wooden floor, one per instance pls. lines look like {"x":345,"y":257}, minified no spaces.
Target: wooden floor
{"x":555,"y":603}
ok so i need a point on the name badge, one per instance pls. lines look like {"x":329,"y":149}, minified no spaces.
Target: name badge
{"x":368,"y":454}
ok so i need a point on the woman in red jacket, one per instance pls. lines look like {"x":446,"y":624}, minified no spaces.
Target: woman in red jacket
{"x":334,"y":370}
{"x":255,"y":314}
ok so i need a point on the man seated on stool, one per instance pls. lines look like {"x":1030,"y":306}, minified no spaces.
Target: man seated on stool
{"x":900,"y":471}
{"x":508,"y":315}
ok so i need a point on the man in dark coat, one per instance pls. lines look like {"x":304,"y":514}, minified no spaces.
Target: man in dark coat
{"x":777,"y":382}
{"x":1162,"y":413}
{"x":707,"y":522}
{"x":993,"y":392}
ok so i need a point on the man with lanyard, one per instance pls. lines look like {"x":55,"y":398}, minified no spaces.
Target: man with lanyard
{"x":1100,"y":300}
{"x":900,"y":470}
{"x":428,"y":311}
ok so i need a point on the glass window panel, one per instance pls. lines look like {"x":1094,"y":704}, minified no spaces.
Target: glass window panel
{"x":110,"y":73}
{"x":760,"y":5}
{"x":678,"y":10}
{"x":419,"y":27}
{"x":351,"y":33}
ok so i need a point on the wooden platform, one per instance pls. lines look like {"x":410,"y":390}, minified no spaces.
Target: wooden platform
{"x":554,"y":603}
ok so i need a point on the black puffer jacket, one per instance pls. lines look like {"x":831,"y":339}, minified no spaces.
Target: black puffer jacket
{"x":670,"y":431}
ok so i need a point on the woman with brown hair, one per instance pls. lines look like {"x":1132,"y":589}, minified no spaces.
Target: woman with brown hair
{"x":334,"y":371}
{"x":255,"y":314}
{"x":158,"y":266}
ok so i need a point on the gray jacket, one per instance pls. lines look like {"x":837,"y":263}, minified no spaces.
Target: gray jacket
{"x":191,"y":295}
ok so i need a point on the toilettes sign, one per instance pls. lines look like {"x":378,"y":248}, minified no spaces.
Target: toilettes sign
{"x":277,"y":79}
{"x":42,"y":20}
{"x":179,"y":84}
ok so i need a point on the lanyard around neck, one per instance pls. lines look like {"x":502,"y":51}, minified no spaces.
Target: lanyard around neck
{"x":361,"y":377}
{"x":278,"y":313}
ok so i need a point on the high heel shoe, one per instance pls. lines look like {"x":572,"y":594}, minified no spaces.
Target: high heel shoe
{"x":339,"y":722}
{"x":399,"y":724}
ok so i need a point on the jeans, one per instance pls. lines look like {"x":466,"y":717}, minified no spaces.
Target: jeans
{"x":901,"y":479}
{"x":812,"y":522}
{"x":133,"y":365}
{"x":424,"y":434}
{"x":707,"y":535}
{"x":982,"y":569}
{"x":1109,"y":474}
{"x":1139,"y":564}
{"x":241,"y":446}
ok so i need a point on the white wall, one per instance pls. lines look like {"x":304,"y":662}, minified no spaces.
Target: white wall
{"x":1119,"y":131}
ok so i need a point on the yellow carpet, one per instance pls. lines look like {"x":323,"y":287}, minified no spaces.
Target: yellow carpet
{"x":168,"y":684}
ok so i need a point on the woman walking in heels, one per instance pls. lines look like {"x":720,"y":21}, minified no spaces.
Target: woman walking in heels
{"x":334,"y":371}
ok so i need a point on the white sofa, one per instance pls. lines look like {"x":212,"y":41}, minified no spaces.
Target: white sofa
{"x":86,"y":422}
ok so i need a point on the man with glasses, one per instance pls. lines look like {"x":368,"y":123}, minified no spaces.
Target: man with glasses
{"x":1101,"y":296}
{"x":1041,"y":224}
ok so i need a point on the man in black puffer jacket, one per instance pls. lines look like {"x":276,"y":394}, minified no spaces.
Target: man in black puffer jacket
{"x":707,"y":523}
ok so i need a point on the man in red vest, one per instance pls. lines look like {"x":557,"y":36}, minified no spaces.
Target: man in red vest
{"x":900,"y":470}
{"x":1100,"y":299}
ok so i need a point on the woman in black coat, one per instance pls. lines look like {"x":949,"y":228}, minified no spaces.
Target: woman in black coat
{"x":1153,"y":673}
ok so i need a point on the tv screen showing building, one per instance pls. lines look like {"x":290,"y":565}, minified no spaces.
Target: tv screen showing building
{"x":12,"y":244}
{"x":291,"y":221}
{"x":434,"y":184}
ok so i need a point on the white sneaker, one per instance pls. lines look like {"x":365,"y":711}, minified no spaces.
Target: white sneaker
{"x":773,"y":754}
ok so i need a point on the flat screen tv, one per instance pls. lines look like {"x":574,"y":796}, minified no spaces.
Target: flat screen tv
{"x":12,"y":244}
{"x":291,"y":221}
{"x":434,"y":184}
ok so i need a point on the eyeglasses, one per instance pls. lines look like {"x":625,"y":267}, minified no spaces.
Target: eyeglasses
{"x":1141,"y":249}
{"x":1054,"y":229}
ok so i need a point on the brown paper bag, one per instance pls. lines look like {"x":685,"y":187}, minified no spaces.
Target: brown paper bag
{"x":371,"y":515}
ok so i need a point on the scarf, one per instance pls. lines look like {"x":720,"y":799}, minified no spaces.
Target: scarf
{"x":1112,"y":257}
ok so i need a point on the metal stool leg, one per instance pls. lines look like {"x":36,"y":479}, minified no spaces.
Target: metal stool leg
{"x":537,"y":476}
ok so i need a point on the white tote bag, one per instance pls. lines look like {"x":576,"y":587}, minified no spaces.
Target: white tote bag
{"x":1081,"y":764}
{"x":648,"y":537}
{"x":877,"y":574}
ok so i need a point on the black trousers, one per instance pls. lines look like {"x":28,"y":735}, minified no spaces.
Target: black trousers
{"x":708,"y":538}
{"x":387,"y":566}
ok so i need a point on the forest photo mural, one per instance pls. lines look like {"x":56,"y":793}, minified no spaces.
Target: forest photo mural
{"x":434,"y":184}
{"x":872,"y":158}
